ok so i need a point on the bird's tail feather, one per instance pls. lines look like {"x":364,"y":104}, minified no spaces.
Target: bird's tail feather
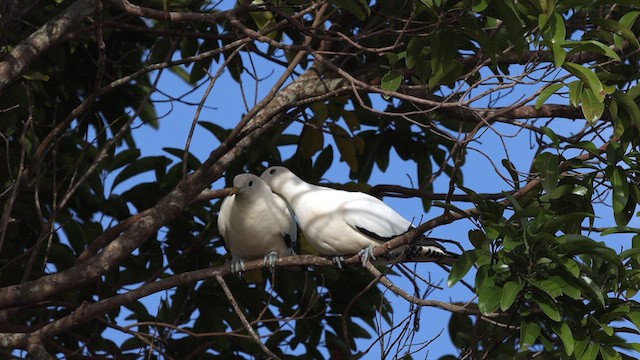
{"x":425,"y":250}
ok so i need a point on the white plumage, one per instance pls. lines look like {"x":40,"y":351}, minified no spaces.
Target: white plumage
{"x":255,"y":223}
{"x":337,"y":222}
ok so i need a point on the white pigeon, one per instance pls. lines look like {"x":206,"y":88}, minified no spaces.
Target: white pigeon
{"x":254,"y":222}
{"x":338,"y":222}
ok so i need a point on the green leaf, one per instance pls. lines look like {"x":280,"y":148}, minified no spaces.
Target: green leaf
{"x":529,"y":332}
{"x":359,"y":8}
{"x":549,"y":308}
{"x":140,"y":166}
{"x":551,"y":135}
{"x":546,"y":93}
{"x":572,"y":291}
{"x":618,"y":29}
{"x":592,"y":108}
{"x":391,"y":81}
{"x":478,"y":238}
{"x":509,"y":14}
{"x":450,"y":207}
{"x":629,"y":105}
{"x":558,"y":29}
{"x":595,"y":47}
{"x":548,"y":165}
{"x":618,"y":179}
{"x":593,"y":288}
{"x":591,"y":352}
{"x":461,"y":266}
{"x":489,"y":299}
{"x":551,"y":287}
{"x":479,"y":5}
{"x":564,"y":332}
{"x":123,"y":158}
{"x":609,"y":353}
{"x":461,"y":330}
{"x":218,"y":131}
{"x":575,"y":92}
{"x":311,"y":141}
{"x":580,"y":347}
{"x":588,"y":146}
{"x":36,"y":76}
{"x":485,"y":276}
{"x":263,"y":19}
{"x":352,"y":120}
{"x":345,"y":145}
{"x":573,"y":244}
{"x":629,"y":18}
{"x":588,"y":77}
{"x":323,"y":162}
{"x":510,"y":291}
{"x":559,"y":54}
{"x":634,"y":317}
{"x":543,"y":20}
{"x":236,"y":68}
{"x":192,"y":160}
{"x":606,"y":328}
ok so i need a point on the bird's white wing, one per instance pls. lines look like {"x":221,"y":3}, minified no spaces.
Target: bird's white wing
{"x":288,"y":221}
{"x":372,"y":217}
{"x":223,"y":216}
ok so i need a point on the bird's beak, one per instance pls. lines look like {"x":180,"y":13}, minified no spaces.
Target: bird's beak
{"x":234,"y":190}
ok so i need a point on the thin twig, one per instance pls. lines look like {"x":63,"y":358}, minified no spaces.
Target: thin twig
{"x":243,"y":318}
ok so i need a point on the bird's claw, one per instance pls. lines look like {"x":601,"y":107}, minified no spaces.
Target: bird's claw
{"x":270,"y":260}
{"x":237,"y":266}
{"x":366,"y":254}
{"x":338,"y":261}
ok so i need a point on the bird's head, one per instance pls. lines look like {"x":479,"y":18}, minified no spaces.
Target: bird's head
{"x":277,"y":176}
{"x":246,"y":183}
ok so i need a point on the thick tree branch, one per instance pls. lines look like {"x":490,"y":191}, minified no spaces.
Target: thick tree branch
{"x":14,"y":63}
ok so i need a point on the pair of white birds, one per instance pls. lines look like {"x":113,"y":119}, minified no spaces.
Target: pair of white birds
{"x":257,"y":220}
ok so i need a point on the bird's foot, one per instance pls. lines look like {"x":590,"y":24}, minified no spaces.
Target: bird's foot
{"x":237,"y":266}
{"x":366,"y":254}
{"x":270,"y":260}
{"x":338,"y":261}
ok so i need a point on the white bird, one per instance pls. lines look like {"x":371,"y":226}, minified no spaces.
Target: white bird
{"x":338,"y":222}
{"x":254,"y":222}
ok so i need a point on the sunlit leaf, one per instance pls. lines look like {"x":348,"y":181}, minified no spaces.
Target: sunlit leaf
{"x":592,"y":108}
{"x":588,"y":77}
{"x":546,"y":93}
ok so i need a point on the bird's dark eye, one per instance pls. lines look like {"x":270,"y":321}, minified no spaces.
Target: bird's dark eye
{"x":251,"y":183}
{"x":273,"y":171}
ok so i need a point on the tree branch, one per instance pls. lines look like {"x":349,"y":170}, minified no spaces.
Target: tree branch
{"x":423,"y":302}
{"x":42,"y":39}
